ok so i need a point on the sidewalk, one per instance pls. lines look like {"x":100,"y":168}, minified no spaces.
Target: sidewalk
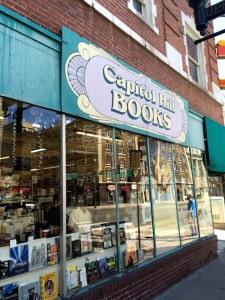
{"x":207,"y":283}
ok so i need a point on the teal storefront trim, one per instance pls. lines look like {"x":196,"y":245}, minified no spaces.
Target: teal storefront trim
{"x":31,"y":62}
{"x":196,"y":130}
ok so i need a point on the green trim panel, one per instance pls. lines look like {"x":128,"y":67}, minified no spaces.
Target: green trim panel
{"x":196,"y":131}
{"x":31,"y":64}
{"x":216,"y":145}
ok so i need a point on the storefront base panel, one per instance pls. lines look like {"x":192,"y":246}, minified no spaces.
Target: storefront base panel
{"x":148,"y":281}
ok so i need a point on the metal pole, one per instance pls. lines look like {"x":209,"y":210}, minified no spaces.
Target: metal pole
{"x":150,"y":190}
{"x":209,"y":36}
{"x":117,"y":203}
{"x":63,"y":290}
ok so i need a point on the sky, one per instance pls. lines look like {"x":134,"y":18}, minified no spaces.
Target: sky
{"x":219,"y":24}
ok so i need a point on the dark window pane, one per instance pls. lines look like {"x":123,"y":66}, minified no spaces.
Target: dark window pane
{"x":192,"y":48}
{"x":193,"y":69}
{"x":137,"y":5}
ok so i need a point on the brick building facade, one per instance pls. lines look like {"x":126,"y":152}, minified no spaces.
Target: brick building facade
{"x":150,"y":38}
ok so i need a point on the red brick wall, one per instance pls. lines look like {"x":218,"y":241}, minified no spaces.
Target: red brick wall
{"x":151,"y":280}
{"x":84,"y":20}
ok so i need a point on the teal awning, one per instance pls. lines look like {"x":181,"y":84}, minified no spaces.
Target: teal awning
{"x":215,"y":134}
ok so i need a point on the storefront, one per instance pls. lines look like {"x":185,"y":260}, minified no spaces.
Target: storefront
{"x":96,"y":163}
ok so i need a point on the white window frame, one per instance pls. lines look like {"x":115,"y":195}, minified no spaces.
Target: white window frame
{"x":122,"y":163}
{"x":121,"y":149}
{"x":189,"y":29}
{"x":149,"y":12}
{"x":108,"y":147}
{"x":109,"y":176}
{"x":108,"y":161}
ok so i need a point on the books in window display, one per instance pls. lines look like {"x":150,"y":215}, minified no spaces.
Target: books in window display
{"x":18,"y":260}
{"x":52,"y":254}
{"x":111,"y":265}
{"x":97,"y":237}
{"x":86,"y":243}
{"x":103,"y":269}
{"x":11,"y":291}
{"x":4,"y":269}
{"x":30,"y":291}
{"x":129,"y":258}
{"x":107,"y":238}
{"x":92,"y":271}
{"x":122,"y":236}
{"x":129,"y":255}
{"x":76,"y":248}
{"x":48,"y":285}
{"x":37,"y":254}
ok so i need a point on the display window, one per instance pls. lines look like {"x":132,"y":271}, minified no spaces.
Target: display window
{"x":90,"y":203}
{"x":111,"y":196}
{"x":135,"y":215}
{"x":187,"y":211}
{"x":204,"y":210}
{"x":29,"y":194}
{"x":163,"y":195}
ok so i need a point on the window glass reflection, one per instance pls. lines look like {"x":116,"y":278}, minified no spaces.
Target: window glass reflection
{"x":90,"y":200}
{"x":202,"y":193}
{"x":134,"y":199}
{"x":185,"y":194}
{"x":163,"y":193}
{"x":30,"y":187}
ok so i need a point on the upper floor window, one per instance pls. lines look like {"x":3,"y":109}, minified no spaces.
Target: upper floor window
{"x":195,"y":58}
{"x":193,"y":64}
{"x":146,"y":10}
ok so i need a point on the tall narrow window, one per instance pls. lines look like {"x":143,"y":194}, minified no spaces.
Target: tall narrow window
{"x":193,"y":61}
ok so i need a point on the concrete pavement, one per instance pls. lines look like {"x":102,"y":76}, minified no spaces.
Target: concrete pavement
{"x":207,"y":283}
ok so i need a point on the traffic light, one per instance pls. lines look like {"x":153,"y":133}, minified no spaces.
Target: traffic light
{"x":201,"y":20}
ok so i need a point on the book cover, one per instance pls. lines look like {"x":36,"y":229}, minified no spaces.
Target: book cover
{"x":122,"y":236}
{"x":103,"y":269}
{"x":10,"y":291}
{"x":97,"y":237}
{"x":57,"y":241}
{"x":52,"y":254}
{"x":18,"y":260}
{"x":129,"y":258}
{"x":37,"y":254}
{"x":73,"y":277}
{"x":111,"y":265}
{"x":68,"y":248}
{"x":107,"y":238}
{"x":30,"y":291}
{"x":49,"y":286}
{"x":81,"y":277}
{"x":76,"y":248}
{"x":92,"y":272}
{"x":86,"y":243}
{"x":68,"y":283}
{"x":4,"y":269}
